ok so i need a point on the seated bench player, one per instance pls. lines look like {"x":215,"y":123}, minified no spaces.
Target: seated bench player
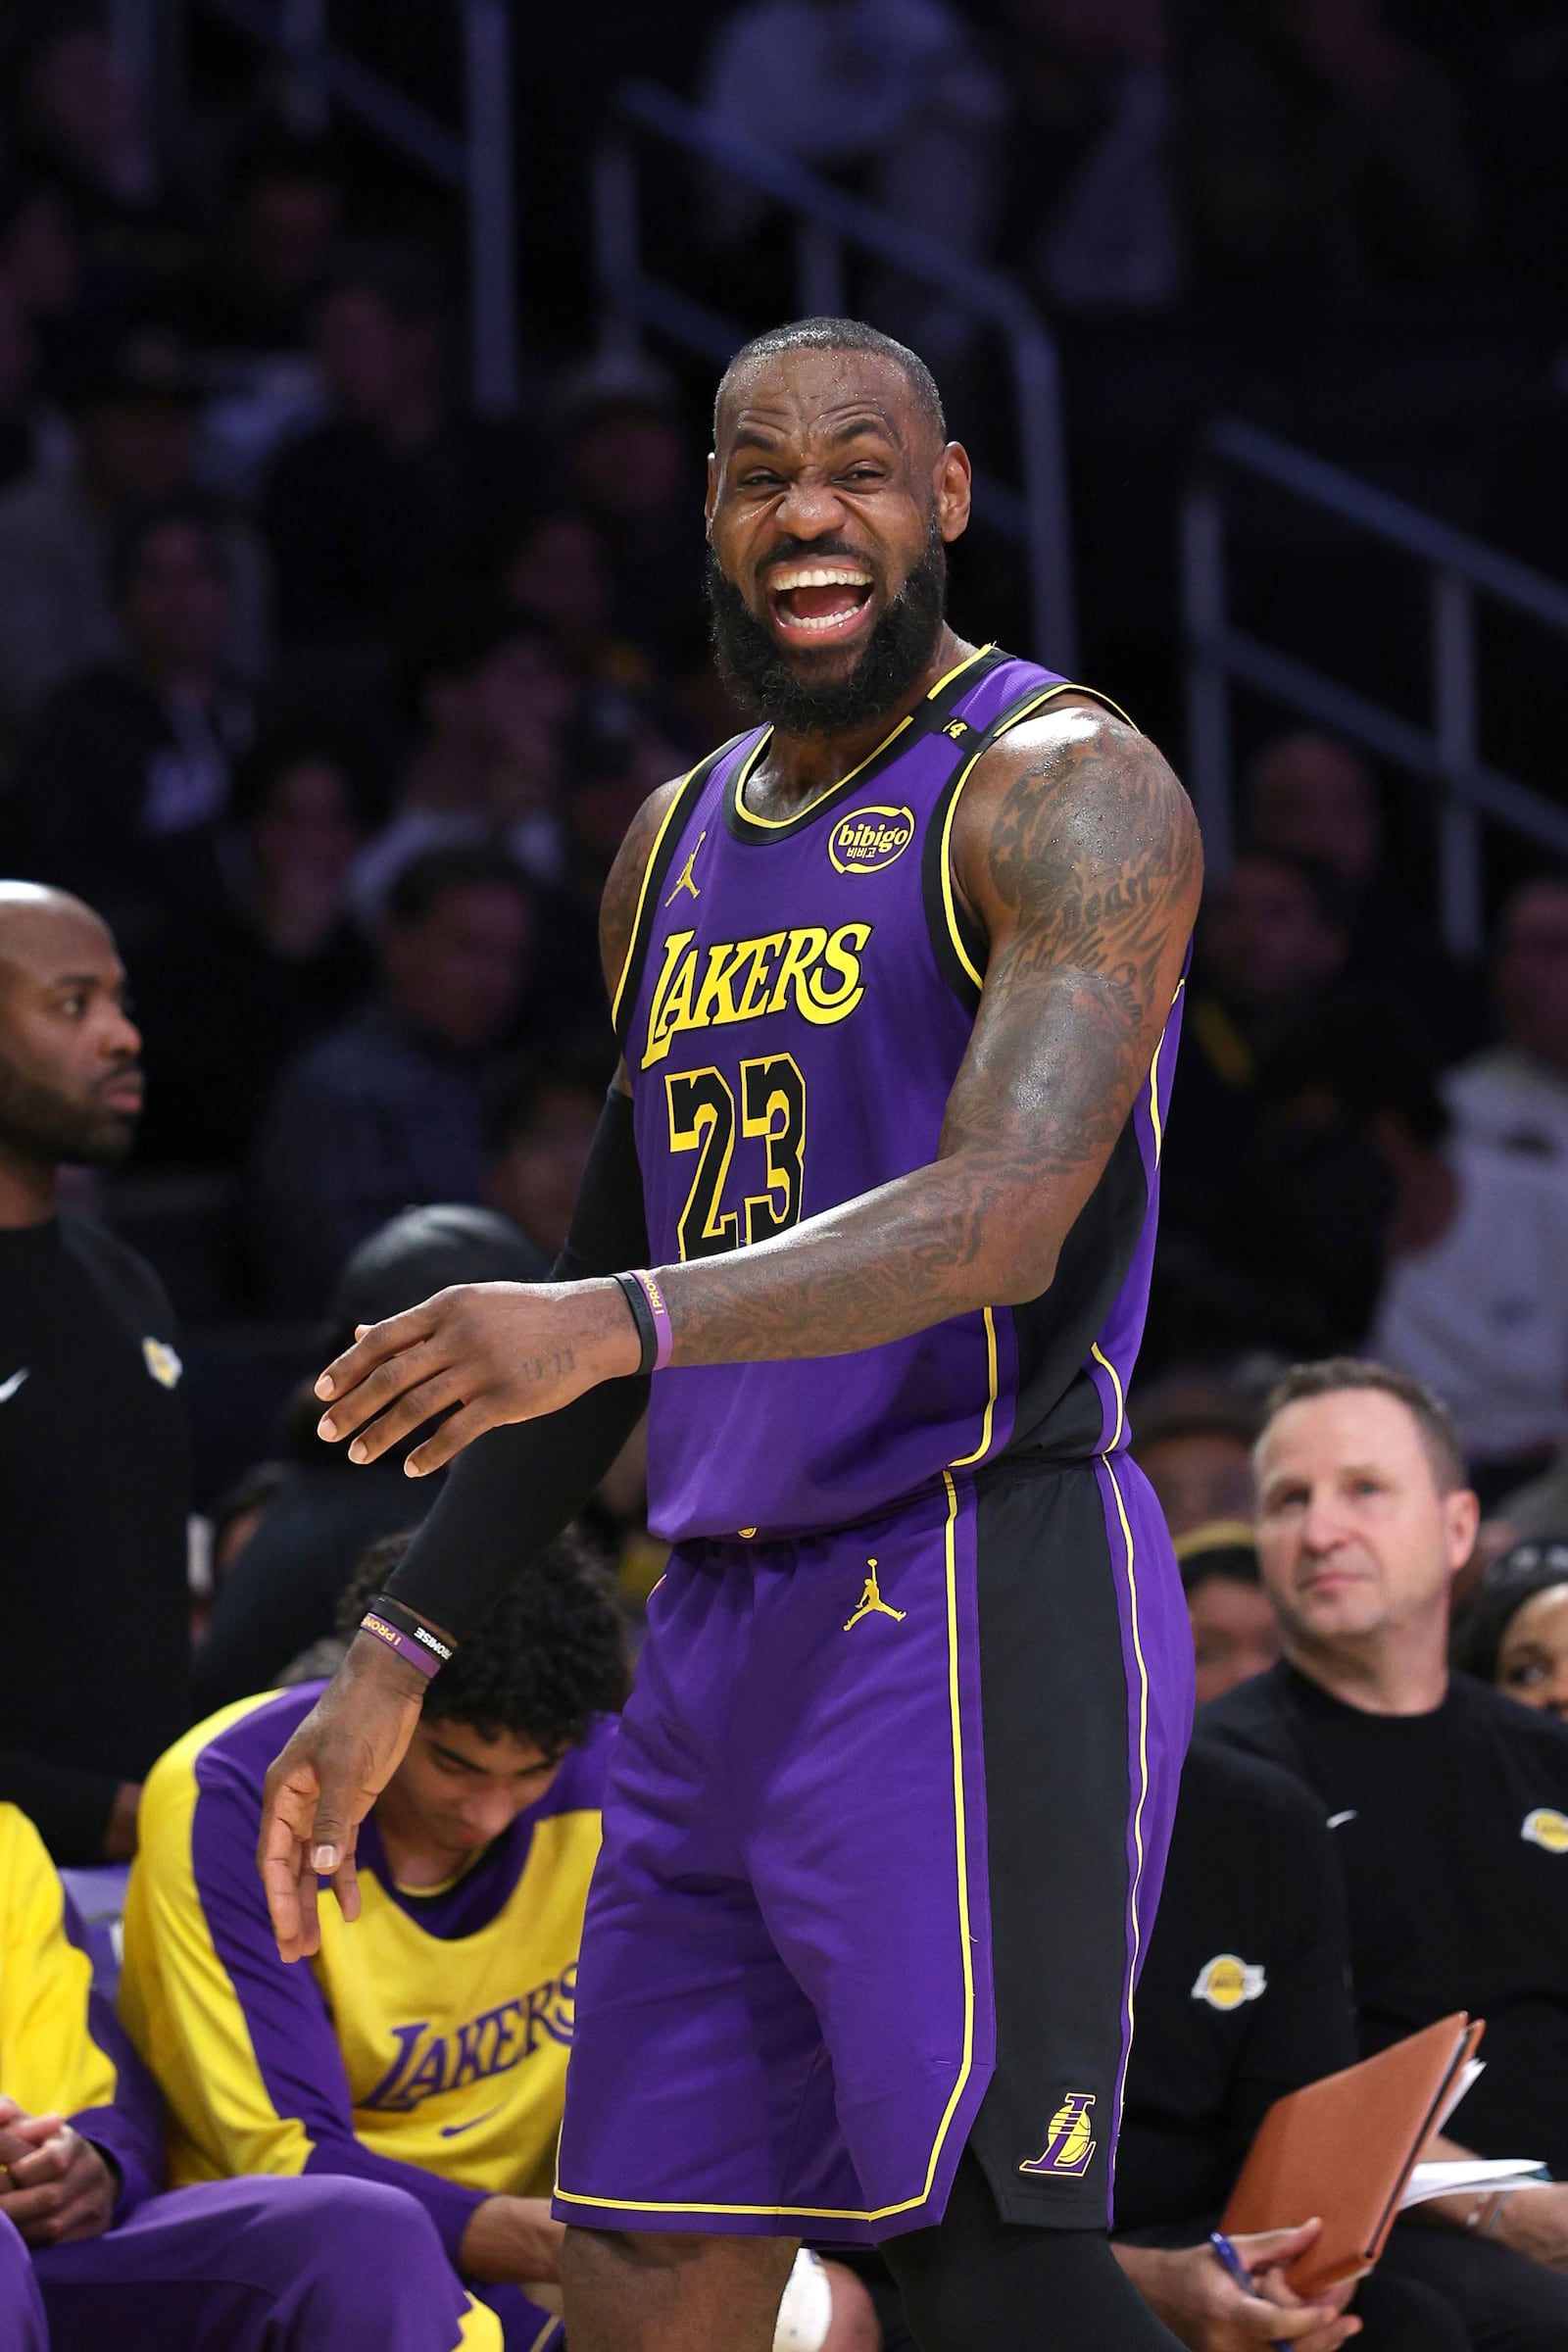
{"x":93,"y":2257}
{"x":428,"y":2046}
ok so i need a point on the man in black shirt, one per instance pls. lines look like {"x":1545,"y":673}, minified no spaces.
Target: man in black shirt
{"x":94,"y":1446}
{"x":1448,"y":1802}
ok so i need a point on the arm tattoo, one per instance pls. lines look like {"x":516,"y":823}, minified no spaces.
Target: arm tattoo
{"x":1079,"y":851}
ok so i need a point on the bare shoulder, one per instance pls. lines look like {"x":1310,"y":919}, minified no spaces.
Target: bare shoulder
{"x":1074,"y":825}
{"x":618,"y":909}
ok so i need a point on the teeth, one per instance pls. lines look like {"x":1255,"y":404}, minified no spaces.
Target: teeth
{"x":823,"y":620}
{"x":837,"y":575}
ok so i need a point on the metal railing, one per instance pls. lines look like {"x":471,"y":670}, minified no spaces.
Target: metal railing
{"x":1447,"y":753}
{"x":318,"y":74}
{"x":827,"y":224}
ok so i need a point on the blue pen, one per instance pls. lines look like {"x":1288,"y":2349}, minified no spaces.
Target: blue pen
{"x":1238,"y":2270}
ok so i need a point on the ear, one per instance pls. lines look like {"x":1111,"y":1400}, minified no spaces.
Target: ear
{"x":1461,"y":1514}
{"x":951,"y":485}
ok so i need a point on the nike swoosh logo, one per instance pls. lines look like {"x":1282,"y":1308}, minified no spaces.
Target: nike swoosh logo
{"x":451,"y":2131}
{"x":9,"y":1388}
{"x":1336,"y":1821}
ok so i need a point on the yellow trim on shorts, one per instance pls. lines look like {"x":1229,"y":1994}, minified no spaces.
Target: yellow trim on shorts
{"x":1143,"y":1769}
{"x":880,"y":2213}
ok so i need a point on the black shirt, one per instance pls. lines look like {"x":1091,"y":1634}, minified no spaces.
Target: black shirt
{"x":1451,"y":1831}
{"x":94,"y":1486}
{"x":1244,"y":1992}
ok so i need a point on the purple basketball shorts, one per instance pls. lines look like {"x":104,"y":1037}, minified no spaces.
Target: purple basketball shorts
{"x":883,"y":1839}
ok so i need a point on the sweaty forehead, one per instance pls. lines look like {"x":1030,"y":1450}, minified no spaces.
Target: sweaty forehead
{"x":806,"y":395}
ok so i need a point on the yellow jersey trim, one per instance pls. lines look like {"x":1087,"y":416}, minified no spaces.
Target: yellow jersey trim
{"x":880,"y":2213}
{"x":1143,"y":1767}
{"x":1013,"y":719}
{"x":1154,"y":1079}
{"x":677,"y":805}
{"x":1105,"y":1365}
{"x":965,"y":1461}
{"x":779,"y":824}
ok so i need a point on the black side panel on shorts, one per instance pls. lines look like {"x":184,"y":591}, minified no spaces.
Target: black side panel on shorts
{"x":1053,"y":1696}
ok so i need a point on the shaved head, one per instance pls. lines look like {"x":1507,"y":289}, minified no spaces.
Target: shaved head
{"x":834,"y":334}
{"x":70,"y":1080}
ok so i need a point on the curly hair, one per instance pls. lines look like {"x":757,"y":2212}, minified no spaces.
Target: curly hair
{"x":545,"y":1659}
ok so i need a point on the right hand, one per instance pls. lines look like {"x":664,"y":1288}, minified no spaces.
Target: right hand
{"x":1195,"y":2295}
{"x":324,"y":1783}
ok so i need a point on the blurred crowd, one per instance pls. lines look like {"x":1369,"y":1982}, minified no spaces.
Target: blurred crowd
{"x":334,"y":697}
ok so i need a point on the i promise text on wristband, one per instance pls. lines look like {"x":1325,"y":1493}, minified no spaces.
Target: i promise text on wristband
{"x":648,"y":1284}
{"x":388,"y":1621}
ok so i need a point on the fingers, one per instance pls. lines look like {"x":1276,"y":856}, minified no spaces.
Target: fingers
{"x":459,"y":1430}
{"x":405,"y":1413}
{"x":379,"y":1343}
{"x":1266,"y":2248}
{"x":382,"y":1386}
{"x":288,"y":1817}
{"x":51,"y":2162}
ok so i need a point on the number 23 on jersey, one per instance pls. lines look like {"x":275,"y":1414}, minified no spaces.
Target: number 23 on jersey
{"x":702,"y":1111}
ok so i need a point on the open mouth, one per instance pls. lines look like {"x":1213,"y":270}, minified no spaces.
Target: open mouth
{"x":819,"y":601}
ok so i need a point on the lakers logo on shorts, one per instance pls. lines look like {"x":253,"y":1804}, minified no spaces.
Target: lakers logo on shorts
{"x":1070,"y":2143}
{"x":161,"y":1363}
{"x":870,"y":838}
{"x":1225,"y":1982}
{"x":1546,"y":1828}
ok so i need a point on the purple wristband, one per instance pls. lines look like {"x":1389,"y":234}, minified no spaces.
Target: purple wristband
{"x":648,"y":1284}
{"x":425,"y":1659}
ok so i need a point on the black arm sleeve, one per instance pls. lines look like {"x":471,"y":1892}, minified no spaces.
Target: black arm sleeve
{"x":513,"y":1489}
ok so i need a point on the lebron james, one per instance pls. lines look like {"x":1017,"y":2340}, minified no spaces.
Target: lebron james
{"x":897,"y":978}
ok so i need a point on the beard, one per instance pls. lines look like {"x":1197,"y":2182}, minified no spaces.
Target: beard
{"x":900,"y":645}
{"x":37,"y":1122}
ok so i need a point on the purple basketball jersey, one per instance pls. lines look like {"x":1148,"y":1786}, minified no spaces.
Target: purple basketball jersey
{"x":796,"y":1001}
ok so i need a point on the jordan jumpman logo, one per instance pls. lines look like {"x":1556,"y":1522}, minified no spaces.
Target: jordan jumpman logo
{"x":686,"y":882}
{"x":872,"y":1605}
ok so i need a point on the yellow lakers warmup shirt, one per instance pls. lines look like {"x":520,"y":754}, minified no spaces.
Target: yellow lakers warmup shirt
{"x":425,"y":2045}
{"x":61,"y":2050}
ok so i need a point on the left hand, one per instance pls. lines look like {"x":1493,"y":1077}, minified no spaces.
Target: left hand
{"x":61,"y":2189}
{"x":482,"y":1353}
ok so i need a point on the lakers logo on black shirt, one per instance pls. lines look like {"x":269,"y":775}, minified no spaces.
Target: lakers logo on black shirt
{"x":1225,"y":1982}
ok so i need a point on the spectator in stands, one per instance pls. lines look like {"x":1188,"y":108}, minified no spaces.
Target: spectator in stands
{"x":123,"y":783}
{"x":896,"y":92}
{"x":283,"y":1589}
{"x":278,"y":950}
{"x":1235,"y":1631}
{"x":388,"y":1110}
{"x":1193,"y":1440}
{"x":1449,"y":1802}
{"x":488,"y":693}
{"x":1515,"y":1094}
{"x":627,"y":460}
{"x":542,"y":1119}
{"x":1516,"y":1632}
{"x":1272,"y":940}
{"x":1325,"y":145}
{"x":1314,"y":796}
{"x":1095,"y":202}
{"x":40,"y":260}
{"x":133,"y":413}
{"x":94,"y":1443}
{"x":402,"y":489}
{"x":1475,"y":1295}
{"x":558,"y":575}
{"x":282,"y":210}
{"x":91,"y":2254}
{"x":1244,"y":1996}
{"x":79,"y":120}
